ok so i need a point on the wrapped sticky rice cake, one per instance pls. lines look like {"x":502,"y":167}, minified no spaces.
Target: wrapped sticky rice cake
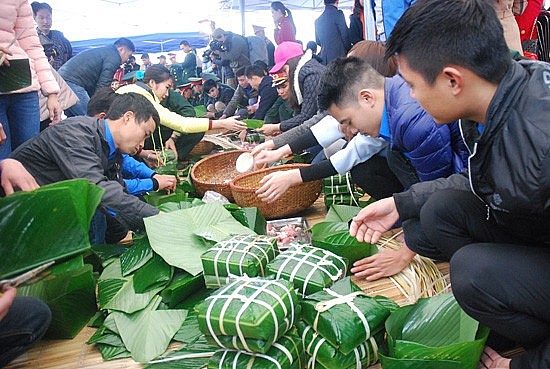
{"x":286,"y":353}
{"x":322,"y":354}
{"x":309,"y":268}
{"x":344,"y":315}
{"x":249,"y":308}
{"x":238,"y":256}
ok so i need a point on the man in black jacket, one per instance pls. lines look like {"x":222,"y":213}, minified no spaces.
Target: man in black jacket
{"x":93,"y":69}
{"x":493,"y":223}
{"x":267,"y":94}
{"x":84,"y":147}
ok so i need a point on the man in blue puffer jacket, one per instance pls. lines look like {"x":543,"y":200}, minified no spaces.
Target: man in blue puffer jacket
{"x":395,"y":140}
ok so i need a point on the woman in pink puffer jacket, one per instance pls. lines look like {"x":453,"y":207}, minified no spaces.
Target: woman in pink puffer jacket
{"x":19,"y":109}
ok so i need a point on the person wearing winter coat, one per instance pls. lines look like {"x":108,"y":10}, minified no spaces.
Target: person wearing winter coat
{"x":304,"y":74}
{"x":332,"y":33}
{"x":493,"y":223}
{"x":386,"y":125}
{"x":19,"y":104}
{"x":92,"y":69}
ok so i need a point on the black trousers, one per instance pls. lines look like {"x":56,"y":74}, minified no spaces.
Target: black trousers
{"x":381,"y":176}
{"x":499,"y":280}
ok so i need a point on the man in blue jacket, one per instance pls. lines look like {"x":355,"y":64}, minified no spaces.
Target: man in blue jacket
{"x":93,"y":69}
{"x":389,"y":127}
{"x":331,"y":33}
{"x":493,"y":224}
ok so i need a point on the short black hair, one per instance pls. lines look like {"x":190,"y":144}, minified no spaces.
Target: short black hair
{"x":344,"y":78}
{"x":124,"y":42}
{"x":101,"y":101}
{"x":185,"y":43}
{"x":263,"y":65}
{"x":36,"y":6}
{"x":434,"y":33}
{"x":136,"y":103}
{"x":240,"y":72}
{"x":330,"y":2}
{"x":208,"y":84}
{"x":254,"y":70}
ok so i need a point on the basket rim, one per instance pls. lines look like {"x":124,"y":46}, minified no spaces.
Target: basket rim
{"x":209,"y":158}
{"x":236,"y":187}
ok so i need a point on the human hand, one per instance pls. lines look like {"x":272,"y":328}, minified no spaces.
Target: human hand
{"x":14,"y":175}
{"x":230,"y":123}
{"x":267,"y":145}
{"x":2,"y":135}
{"x":152,"y":158}
{"x":54,"y":108}
{"x":274,"y":185}
{"x":374,"y":220}
{"x":166,"y":182}
{"x":6,"y":299}
{"x":3,"y":52}
{"x":270,"y":129}
{"x":251,"y":109}
{"x":170,"y":144}
{"x":384,"y":264}
{"x":270,"y":156}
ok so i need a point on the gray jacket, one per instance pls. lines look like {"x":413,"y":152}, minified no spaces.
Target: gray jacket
{"x":77,"y":148}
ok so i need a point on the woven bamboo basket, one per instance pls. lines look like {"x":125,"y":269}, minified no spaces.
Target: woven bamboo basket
{"x":215,"y":172}
{"x":202,"y":148}
{"x":294,"y":200}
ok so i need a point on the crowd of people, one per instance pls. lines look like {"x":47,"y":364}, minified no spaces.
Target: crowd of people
{"x":442,"y":120}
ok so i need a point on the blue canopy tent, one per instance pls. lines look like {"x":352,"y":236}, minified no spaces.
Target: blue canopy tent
{"x":153,"y":43}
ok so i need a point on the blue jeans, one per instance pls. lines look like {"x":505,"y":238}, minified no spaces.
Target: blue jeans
{"x":20,"y":117}
{"x":81,"y":107}
{"x":27,"y":321}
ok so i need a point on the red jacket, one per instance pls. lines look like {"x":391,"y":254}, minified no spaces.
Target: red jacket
{"x":526,"y":21}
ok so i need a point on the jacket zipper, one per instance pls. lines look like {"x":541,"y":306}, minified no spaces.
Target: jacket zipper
{"x":472,"y":153}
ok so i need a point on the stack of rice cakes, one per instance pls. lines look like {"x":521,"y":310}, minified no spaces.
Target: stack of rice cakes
{"x":251,"y":320}
{"x":342,"y":327}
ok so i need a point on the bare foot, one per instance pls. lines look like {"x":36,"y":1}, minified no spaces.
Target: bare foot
{"x":490,"y":359}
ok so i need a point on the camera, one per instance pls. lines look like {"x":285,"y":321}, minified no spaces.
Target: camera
{"x":217,"y":46}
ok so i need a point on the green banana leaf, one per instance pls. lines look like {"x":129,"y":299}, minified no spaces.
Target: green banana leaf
{"x":105,"y":336}
{"x":200,"y":111}
{"x":434,"y":330}
{"x":49,"y":223}
{"x":341,"y":213}
{"x":69,"y":290}
{"x":147,"y":333}
{"x":168,"y":168}
{"x":181,"y":237}
{"x":136,"y":256}
{"x":172,"y":206}
{"x":333,"y":235}
{"x":105,"y":252}
{"x":97,"y":320}
{"x":109,"y":352}
{"x":182,"y":285}
{"x":157,"y":198}
{"x":190,"y":356}
{"x":249,"y":217}
{"x":189,"y":331}
{"x":253,"y":123}
{"x":156,"y":273}
{"x":115,"y":292}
